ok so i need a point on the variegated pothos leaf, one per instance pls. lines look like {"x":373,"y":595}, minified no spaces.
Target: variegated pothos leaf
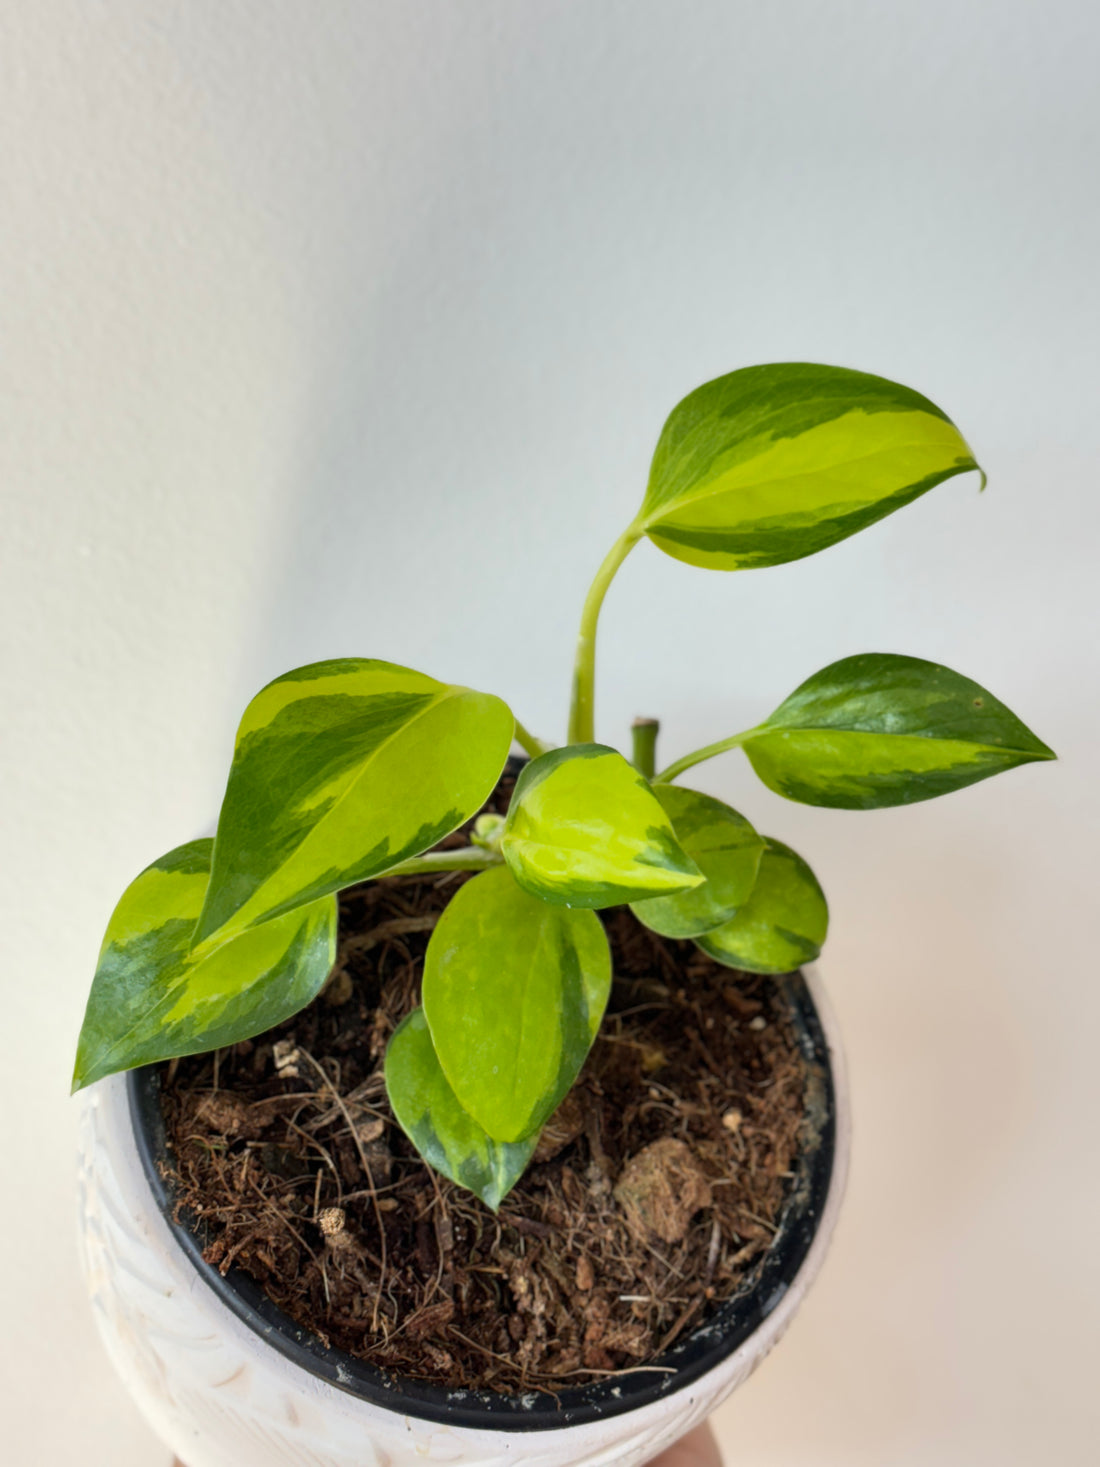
{"x":783,"y":923}
{"x":772,"y":463}
{"x":341,"y":770}
{"x":880,"y":729}
{"x":445,"y":1135}
{"x":726,"y":849}
{"x":584,"y":829}
{"x":153,"y":998}
{"x":513,"y":991}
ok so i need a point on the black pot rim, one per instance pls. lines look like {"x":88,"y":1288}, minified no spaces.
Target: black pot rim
{"x":699,"y":1352}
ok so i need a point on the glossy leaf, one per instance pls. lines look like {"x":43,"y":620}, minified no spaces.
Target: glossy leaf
{"x":445,"y":1135}
{"x":783,"y":923}
{"x":341,"y":770}
{"x":585,"y":829}
{"x":726,"y":849}
{"x":773,"y":463}
{"x":152,"y":998}
{"x":514,"y":990}
{"x":879,"y":729}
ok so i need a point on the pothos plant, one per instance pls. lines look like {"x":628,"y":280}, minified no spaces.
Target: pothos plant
{"x":355,"y":768}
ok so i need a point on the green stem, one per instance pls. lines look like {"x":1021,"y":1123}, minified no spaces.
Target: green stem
{"x":643,"y":733}
{"x":698,"y":755}
{"x":582,"y":711}
{"x":534,"y":746}
{"x":465,"y":858}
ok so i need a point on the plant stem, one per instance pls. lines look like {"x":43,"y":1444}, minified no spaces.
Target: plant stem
{"x":465,"y":858}
{"x":534,"y":746}
{"x":643,"y":732}
{"x":698,"y":755}
{"x":582,"y":711}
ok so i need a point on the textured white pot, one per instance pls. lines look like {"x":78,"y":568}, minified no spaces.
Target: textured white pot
{"x":220,"y":1395}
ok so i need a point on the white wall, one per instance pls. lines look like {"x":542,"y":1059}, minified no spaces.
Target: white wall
{"x":348,"y":328}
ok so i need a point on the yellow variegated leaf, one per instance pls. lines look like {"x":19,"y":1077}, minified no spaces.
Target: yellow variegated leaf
{"x":341,"y":770}
{"x":514,"y":990}
{"x":879,"y":729}
{"x":726,"y":849}
{"x":446,"y":1136}
{"x":585,"y":829}
{"x":783,"y":923}
{"x":153,"y":998}
{"x":772,"y":463}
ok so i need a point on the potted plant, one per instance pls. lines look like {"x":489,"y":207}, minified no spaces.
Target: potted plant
{"x":358,"y":771}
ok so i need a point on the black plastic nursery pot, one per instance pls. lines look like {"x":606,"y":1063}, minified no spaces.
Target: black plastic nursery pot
{"x":731,"y":1324}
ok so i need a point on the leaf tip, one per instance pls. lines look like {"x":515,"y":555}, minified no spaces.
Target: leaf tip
{"x":82,"y":1077}
{"x":1039,"y":751}
{"x":83,"y":1069}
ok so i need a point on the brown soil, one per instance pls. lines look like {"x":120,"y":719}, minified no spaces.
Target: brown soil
{"x":655,"y":1188}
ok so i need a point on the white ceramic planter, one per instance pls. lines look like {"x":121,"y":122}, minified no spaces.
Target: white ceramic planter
{"x":220,"y":1395}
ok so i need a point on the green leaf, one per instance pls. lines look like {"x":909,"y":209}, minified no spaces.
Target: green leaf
{"x":445,"y":1135}
{"x":773,"y":463}
{"x":879,"y":729}
{"x":341,"y":770}
{"x":514,"y":990}
{"x":783,"y":923}
{"x":585,"y":829}
{"x":726,"y":849}
{"x":152,"y":998}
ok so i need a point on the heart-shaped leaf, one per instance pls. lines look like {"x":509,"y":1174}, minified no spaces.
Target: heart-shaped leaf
{"x":879,"y":729}
{"x":153,"y":999}
{"x":783,"y":923}
{"x":514,"y":990}
{"x":585,"y":829}
{"x":341,"y":770}
{"x":726,"y":849}
{"x":773,"y":463}
{"x":446,"y":1136}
